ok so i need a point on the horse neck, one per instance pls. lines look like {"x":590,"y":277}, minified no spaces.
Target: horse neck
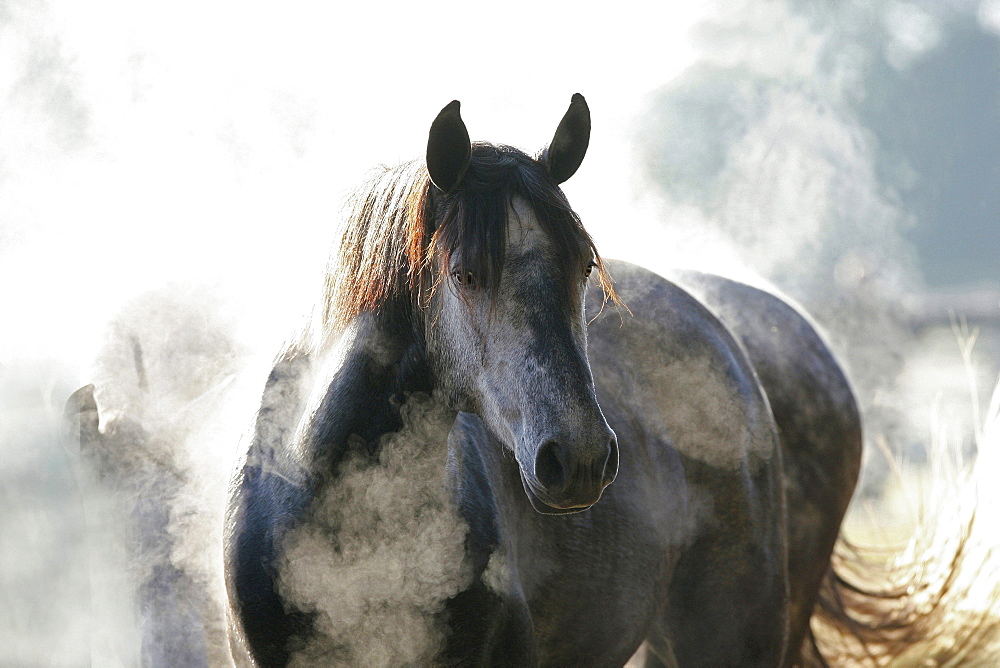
{"x":378,"y":364}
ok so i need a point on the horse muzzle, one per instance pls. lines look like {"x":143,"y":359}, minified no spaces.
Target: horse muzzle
{"x":566,"y":479}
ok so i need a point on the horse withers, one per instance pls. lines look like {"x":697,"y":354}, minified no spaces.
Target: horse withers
{"x":472,"y":461}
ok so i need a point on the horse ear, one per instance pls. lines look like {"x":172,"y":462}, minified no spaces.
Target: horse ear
{"x":569,"y":145}
{"x":448,"y":148}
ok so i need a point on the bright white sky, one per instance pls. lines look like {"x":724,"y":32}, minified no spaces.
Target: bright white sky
{"x":224,"y":135}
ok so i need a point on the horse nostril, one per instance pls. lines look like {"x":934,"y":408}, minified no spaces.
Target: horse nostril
{"x":549,"y":469}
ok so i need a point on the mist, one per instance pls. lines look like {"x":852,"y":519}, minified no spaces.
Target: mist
{"x":171,"y":178}
{"x":847,"y":155}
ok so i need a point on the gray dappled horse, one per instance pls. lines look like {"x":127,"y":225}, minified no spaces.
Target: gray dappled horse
{"x":473,"y":461}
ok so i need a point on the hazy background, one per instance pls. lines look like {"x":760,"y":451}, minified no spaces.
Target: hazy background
{"x":172,"y":174}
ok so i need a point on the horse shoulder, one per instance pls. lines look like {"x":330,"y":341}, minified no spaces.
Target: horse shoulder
{"x":677,"y":365}
{"x":675,"y":383}
{"x":810,"y":396}
{"x":818,"y":420}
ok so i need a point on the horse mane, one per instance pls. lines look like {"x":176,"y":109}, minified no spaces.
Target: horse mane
{"x":398,"y":220}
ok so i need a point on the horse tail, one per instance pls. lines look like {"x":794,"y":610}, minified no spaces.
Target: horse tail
{"x":873,"y":612}
{"x":936,"y":601}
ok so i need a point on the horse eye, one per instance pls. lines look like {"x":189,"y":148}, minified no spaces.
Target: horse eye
{"x":590,"y":269}
{"x":464,"y":278}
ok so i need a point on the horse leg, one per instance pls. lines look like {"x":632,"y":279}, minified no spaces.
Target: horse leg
{"x":654,"y":661}
{"x":488,"y":629}
{"x":656,"y":652}
{"x":727,"y":601}
{"x":723,"y":614}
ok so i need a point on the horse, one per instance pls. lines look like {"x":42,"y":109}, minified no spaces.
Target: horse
{"x":488,"y":451}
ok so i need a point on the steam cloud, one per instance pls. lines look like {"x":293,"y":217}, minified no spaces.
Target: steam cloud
{"x":382,"y":551}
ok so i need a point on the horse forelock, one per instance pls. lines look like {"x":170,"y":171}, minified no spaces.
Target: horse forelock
{"x":398,"y":223}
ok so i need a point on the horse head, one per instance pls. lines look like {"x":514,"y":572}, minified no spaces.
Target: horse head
{"x":507,"y":267}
